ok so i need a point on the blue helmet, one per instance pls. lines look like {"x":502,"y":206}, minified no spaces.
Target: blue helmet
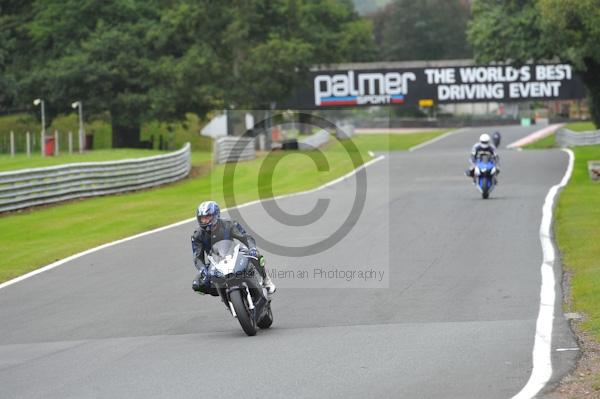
{"x":208,"y":214}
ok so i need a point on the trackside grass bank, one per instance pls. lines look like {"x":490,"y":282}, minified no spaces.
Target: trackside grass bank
{"x":22,"y":161}
{"x":37,"y":237}
{"x":550,"y":141}
{"x":577,"y":229}
{"x":8,"y":163}
{"x":393,"y":142}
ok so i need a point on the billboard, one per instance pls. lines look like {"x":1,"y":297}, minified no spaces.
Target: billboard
{"x":439,"y":85}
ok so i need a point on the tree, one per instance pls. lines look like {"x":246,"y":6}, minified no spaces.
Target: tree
{"x":574,"y":25}
{"x":14,"y":14}
{"x":508,"y":30}
{"x":96,"y":52}
{"x":520,"y":31}
{"x":422,"y":30}
{"x":159,"y":59}
{"x":259,"y":51}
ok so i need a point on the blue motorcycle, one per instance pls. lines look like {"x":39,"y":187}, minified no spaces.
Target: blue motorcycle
{"x":485,"y":175}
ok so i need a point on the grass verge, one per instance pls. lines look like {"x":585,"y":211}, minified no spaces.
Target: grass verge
{"x":543,"y":144}
{"x":394,"y":142}
{"x":550,"y":141}
{"x":36,"y":237}
{"x":577,"y":231}
{"x":21,"y":161}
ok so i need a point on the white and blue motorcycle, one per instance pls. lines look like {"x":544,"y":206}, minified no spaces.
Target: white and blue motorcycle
{"x":485,"y":174}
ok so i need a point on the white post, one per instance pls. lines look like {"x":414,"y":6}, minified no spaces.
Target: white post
{"x":70,"y":142}
{"x":56,"y":143}
{"x":28,"y":137}
{"x":12,"y":143}
{"x":79,"y":104}
{"x":39,"y":101}
{"x":43,"y":127}
{"x":81,"y":128}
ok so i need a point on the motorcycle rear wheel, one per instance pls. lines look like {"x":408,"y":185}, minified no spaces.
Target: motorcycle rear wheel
{"x":243,"y":313}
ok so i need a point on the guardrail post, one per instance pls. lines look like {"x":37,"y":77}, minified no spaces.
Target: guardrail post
{"x":12,"y":143}
{"x":28,"y":143}
{"x":56,"y":150}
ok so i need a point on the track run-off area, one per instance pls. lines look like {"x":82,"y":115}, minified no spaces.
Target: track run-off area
{"x":434,"y":293}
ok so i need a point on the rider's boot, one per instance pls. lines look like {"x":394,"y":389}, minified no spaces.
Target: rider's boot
{"x":269,"y":285}
{"x":267,"y":282}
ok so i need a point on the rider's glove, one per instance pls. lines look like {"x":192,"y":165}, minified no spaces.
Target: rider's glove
{"x":199,"y":264}
{"x":253,"y":252}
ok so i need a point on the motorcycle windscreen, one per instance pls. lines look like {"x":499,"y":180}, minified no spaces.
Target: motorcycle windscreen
{"x":222,"y":249}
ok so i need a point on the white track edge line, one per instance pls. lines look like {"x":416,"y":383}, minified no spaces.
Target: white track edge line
{"x":435,"y":139}
{"x":110,"y":244}
{"x":542,"y":347}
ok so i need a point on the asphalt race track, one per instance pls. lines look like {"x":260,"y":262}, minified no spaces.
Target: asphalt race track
{"x":453,"y":315}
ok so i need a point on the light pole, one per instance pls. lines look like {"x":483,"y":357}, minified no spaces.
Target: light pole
{"x":81,"y":130}
{"x":36,"y":102}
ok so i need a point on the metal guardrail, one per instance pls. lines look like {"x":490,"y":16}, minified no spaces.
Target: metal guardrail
{"x":233,"y":149}
{"x":30,"y":187}
{"x":567,"y":138}
{"x":345,"y":130}
{"x":313,"y":141}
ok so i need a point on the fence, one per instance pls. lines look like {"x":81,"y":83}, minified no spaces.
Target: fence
{"x":233,"y":149}
{"x":30,"y":187}
{"x":313,"y":141}
{"x":345,"y":130}
{"x":567,"y":138}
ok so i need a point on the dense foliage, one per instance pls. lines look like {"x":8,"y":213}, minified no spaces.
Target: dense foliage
{"x":533,"y":30}
{"x":422,"y":30}
{"x":159,"y":59}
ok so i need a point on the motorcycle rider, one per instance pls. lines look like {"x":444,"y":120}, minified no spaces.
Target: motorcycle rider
{"x":213,"y":229}
{"x":496,"y":137}
{"x":482,"y":147}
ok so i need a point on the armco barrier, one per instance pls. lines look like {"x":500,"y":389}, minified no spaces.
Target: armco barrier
{"x":30,"y":187}
{"x":313,"y":141}
{"x":567,"y":138}
{"x":233,"y":149}
{"x":345,"y":130}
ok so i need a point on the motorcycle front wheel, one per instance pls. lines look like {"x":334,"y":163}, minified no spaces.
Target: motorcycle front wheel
{"x":485,"y":191}
{"x":243,"y":313}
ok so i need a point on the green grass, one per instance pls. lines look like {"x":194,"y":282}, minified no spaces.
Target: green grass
{"x":550,"y":141}
{"x":393,"y":142}
{"x":21,"y":161}
{"x":578,"y":236}
{"x":36,"y":237}
{"x":581,"y":126}
{"x":542,"y":144}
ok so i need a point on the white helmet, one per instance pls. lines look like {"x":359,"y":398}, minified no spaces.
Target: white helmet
{"x":484,"y":139}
